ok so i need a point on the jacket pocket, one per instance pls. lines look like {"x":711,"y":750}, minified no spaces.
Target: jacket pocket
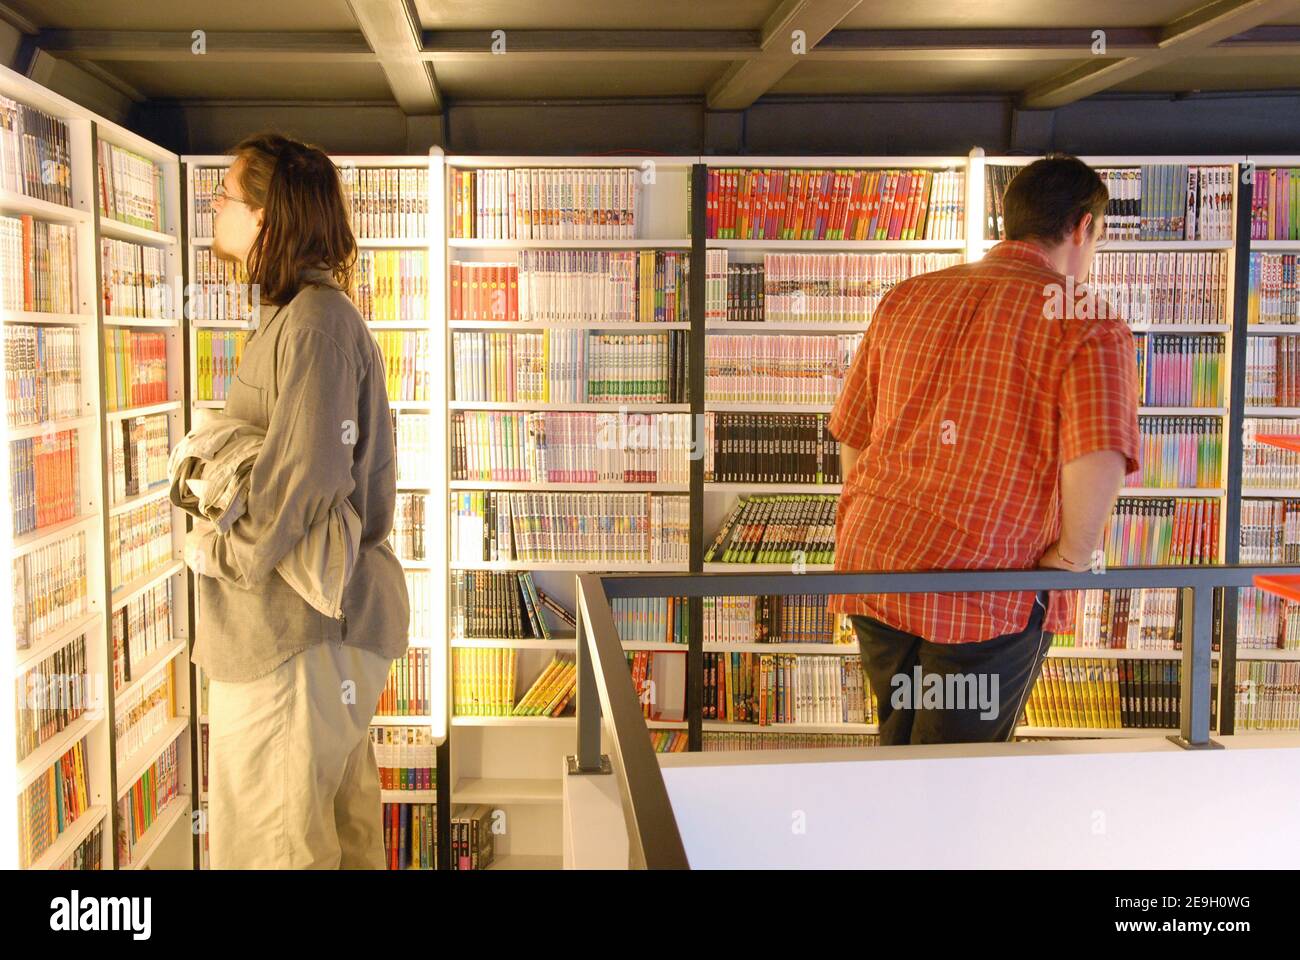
{"x":248,"y":402}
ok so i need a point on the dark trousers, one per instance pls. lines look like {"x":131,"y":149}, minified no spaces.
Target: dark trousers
{"x":951,"y":692}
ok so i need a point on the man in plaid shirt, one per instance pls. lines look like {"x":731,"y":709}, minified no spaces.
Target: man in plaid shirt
{"x":987,"y":422}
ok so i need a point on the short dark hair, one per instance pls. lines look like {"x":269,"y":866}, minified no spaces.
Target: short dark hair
{"x":1048,"y":198}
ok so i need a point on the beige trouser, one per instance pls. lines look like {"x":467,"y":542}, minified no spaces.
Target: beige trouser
{"x":292,"y":781}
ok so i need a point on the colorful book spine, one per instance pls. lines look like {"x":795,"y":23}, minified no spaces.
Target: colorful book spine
{"x":135,"y":368}
{"x":407,"y":692}
{"x":35,"y":153}
{"x":779,"y":688}
{"x":1267,"y":695}
{"x":530,"y":203}
{"x":142,"y":805}
{"x":219,"y":290}
{"x":1181,"y":371}
{"x":793,"y":369}
{"x":407,"y":356}
{"x":51,"y":804}
{"x":410,"y":836}
{"x":1275,"y":204}
{"x":392,"y":286}
{"x":52,"y":695}
{"x":42,"y":373}
{"x":217,"y":354}
{"x":770,"y":448}
{"x":140,"y":542}
{"x":406,"y":757}
{"x":130,"y":188}
{"x":1109,"y":694}
{"x":483,"y":681}
{"x":387,"y":203}
{"x":777,"y":529}
{"x":49,"y":588}
{"x":135,"y":280}
{"x":44,"y":480}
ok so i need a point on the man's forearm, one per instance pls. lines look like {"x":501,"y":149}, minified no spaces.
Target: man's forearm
{"x":1089,"y":485}
{"x":848,"y":457}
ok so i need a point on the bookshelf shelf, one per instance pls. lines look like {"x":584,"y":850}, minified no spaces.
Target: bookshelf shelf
{"x":764,"y":326}
{"x":588,"y":566}
{"x":503,"y":643}
{"x":152,"y":839}
{"x":395,"y":243}
{"x":1112,"y":653}
{"x":68,"y":841}
{"x":607,"y":407}
{"x":1077,"y":732}
{"x":51,"y":426}
{"x":735,"y":726}
{"x":394,"y":721}
{"x":1247,"y":653}
{"x":502,"y":790}
{"x":168,"y":406}
{"x":878,"y":246}
{"x":161,"y":323}
{"x":592,"y":487}
{"x":408,"y":796}
{"x":54,"y":640}
{"x":18,"y":203}
{"x":1288,"y":492}
{"x":658,"y":646}
{"x":1187,"y":411}
{"x":1266,"y":329}
{"x":1172,"y":492}
{"x":527,"y":861}
{"x":1271,"y":412}
{"x":119,"y":230}
{"x":35,"y":317}
{"x":158,"y":493}
{"x":541,"y":722}
{"x":130,"y":768}
{"x":766,"y":568}
{"x":1282,"y":246}
{"x":762,"y":488}
{"x":152,"y":664}
{"x":1179,"y":327}
{"x":730,"y":406}
{"x":510,"y":325}
{"x":39,"y":760}
{"x":826,"y":649}
{"x":129,"y":591}
{"x":474,"y":243}
{"x":223,"y":324}
{"x":46,"y":535}
{"x":1123,"y":246}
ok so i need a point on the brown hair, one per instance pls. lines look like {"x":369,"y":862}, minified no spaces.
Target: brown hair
{"x":1048,"y":198}
{"x":305,"y":221}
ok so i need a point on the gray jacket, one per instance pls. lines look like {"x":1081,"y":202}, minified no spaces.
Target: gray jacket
{"x":312,"y":377}
{"x":209,"y":473}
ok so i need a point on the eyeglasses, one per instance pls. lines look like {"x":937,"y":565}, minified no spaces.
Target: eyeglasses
{"x":220,"y":194}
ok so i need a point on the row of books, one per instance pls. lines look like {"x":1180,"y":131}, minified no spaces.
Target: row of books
{"x":35,"y":153}
{"x":811,"y":287}
{"x":1273,"y":371}
{"x":38,"y":265}
{"x":143,"y":711}
{"x":410,"y":836}
{"x":1275,"y":204}
{"x":407,"y":536}
{"x":1266,"y":621}
{"x":203,"y":182}
{"x":141,"y":540}
{"x":774,"y":688}
{"x":794,"y":203}
{"x":49,"y":588}
{"x":419,"y":590}
{"x":1178,"y":451}
{"x":491,"y":526}
{"x":1110,"y":694}
{"x":575,"y":286}
{"x":1164,"y":287}
{"x":1162,"y":531}
{"x":483,"y":685}
{"x":138,"y":452}
{"x":473,"y":836}
{"x":135,"y":280}
{"x":777,"y":528}
{"x":570,"y":447}
{"x":387,"y":202}
{"x":651,"y":619}
{"x":406,"y":757}
{"x":792,"y":369}
{"x":42,"y":373}
{"x":142,"y":805}
{"x":219,"y":290}
{"x":570,"y":366}
{"x":1267,"y":695}
{"x":413,"y":444}
{"x":408,"y":364}
{"x":531,"y":203}
{"x":52,"y":695}
{"x":770,"y":448}
{"x":1180,"y":371}
{"x":745,"y":740}
{"x":51,"y":803}
{"x":140,"y":628}
{"x":489,"y":604}
{"x":89,"y":854}
{"x":135,"y":368}
{"x":44,"y":480}
{"x":1166,"y":201}
{"x":406,"y":694}
{"x":796,"y":618}
{"x":669,"y":741}
{"x":1274,"y":289}
{"x":1264,"y":465}
{"x":392,"y":286}
{"x":1130,"y":619}
{"x":130,"y":187}
{"x":216,"y":355}
{"x":659,"y":682}
{"x":1270,"y":531}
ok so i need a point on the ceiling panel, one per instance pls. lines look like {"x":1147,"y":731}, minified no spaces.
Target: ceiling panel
{"x":585,"y":15}
{"x":920,"y":77}
{"x":187,"y":15}
{"x":1219,"y":73}
{"x":212,"y":80}
{"x":486,"y":80}
{"x":989,"y":14}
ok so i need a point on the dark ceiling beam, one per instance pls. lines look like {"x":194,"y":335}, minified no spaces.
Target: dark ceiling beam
{"x":747,"y":80}
{"x":561,"y":45}
{"x":392,"y":28}
{"x":1188,"y":35}
{"x":219,"y":45}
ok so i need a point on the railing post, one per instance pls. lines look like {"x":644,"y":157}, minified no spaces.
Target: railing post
{"x":1194,"y":709}
{"x":588,"y":706}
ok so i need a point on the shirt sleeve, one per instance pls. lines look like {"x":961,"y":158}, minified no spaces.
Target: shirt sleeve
{"x":305,"y":467}
{"x":1099,"y":397}
{"x":855,"y":407}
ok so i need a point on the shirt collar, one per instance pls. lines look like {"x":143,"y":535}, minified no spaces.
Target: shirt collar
{"x":319,"y":275}
{"x":1021,"y":250}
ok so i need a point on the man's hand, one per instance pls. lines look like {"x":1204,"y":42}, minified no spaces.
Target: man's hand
{"x":1053,"y":560}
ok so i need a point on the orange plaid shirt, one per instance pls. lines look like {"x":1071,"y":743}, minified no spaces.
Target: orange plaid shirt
{"x":964,"y":400}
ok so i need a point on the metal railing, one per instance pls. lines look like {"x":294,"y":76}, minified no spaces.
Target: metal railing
{"x":605,"y":687}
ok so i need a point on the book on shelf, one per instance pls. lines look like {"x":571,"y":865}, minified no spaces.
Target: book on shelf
{"x":412,"y":441}
{"x":1274,"y":289}
{"x":1266,"y":695}
{"x":138,"y":452}
{"x":1266,"y":621}
{"x":777,"y":528}
{"x":1128,"y":619}
{"x":135,"y":368}
{"x":392,"y":286}
{"x":35,"y":153}
{"x":490,"y":526}
{"x":1162,"y":531}
{"x":473,"y":842}
{"x":1107,"y":694}
{"x":488,"y":604}
{"x":796,"y":618}
{"x":51,"y":803}
{"x":134,"y":280}
{"x":809,"y":287}
{"x":130,"y":187}
{"x":1264,"y":465}
{"x":218,"y":290}
{"x":1275,"y":204}
{"x":38,"y":265}
{"x":1178,"y":451}
{"x":1163,"y":201}
{"x":1162,"y":287}
{"x":42,"y":373}
{"x":550,"y":693}
{"x":652,"y":619}
{"x":407,"y":364}
{"x":143,"y":712}
{"x":387,"y":202}
{"x":139,"y":628}
{"x":410,"y":836}
{"x":406,"y":757}
{"x":483,"y":682}
{"x":419,"y":592}
{"x":531,"y":203}
{"x":548,"y":602}
{"x":89,"y":854}
{"x":659,"y":679}
{"x":407,"y":537}
{"x":1270,"y":531}
{"x":774,"y":368}
{"x":794,"y":203}
{"x":777,"y":688}
{"x":770,"y":448}
{"x":49,"y":588}
{"x":779,"y":740}
{"x":669,"y":741}
{"x":1273,"y":371}
{"x":1180,"y":370}
{"x":203,"y":185}
{"x":52,"y":695}
{"x":406,"y":694}
{"x":140,"y":807}
{"x":140,"y":541}
{"x":570,"y":366}
{"x":44,"y":480}
{"x":217,"y":354}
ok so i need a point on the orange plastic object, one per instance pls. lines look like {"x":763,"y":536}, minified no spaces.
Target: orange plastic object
{"x":1287,"y":587}
{"x":1283,"y":440}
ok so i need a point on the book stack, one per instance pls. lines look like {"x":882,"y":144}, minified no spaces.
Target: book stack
{"x":411,"y":441}
{"x":45,"y":480}
{"x":1125,"y":620}
{"x":419,"y":590}
{"x":777,"y":529}
{"x":406,"y":757}
{"x":407,"y":538}
{"x":1264,"y":465}
{"x":38,"y":265}
{"x":818,"y":204}
{"x":1270,"y":531}
{"x":1180,"y":371}
{"x":142,"y":805}
{"x":203,"y":183}
{"x":803,"y":369}
{"x":483,"y":682}
{"x":51,"y":695}
{"x":1267,"y":695}
{"x":1275,"y":204}
{"x":52,"y":803}
{"x":473,"y":843}
{"x":89,"y":854}
{"x":42,"y":373}
{"x":545,"y":203}
{"x":392,"y":285}
{"x":1266,"y":621}
{"x":407,"y":692}
{"x":410,"y":835}
{"x":143,"y":711}
{"x":139,"y":628}
{"x":388,"y":203}
{"x":652,"y":619}
{"x":747,"y":740}
{"x":138,"y":452}
{"x":776,"y":688}
{"x":141,"y":540}
{"x":796,"y":618}
{"x":488,"y":604}
{"x":218,"y":290}
{"x":35,"y":153}
{"x":1162,"y":532}
{"x":135,"y":280}
{"x":1162,"y":287}
{"x":550,"y":692}
{"x":49,"y":588}
{"x":1107,"y":694}
{"x":1273,"y":371}
{"x":406,"y":364}
{"x":1178,"y":451}
{"x":135,"y":368}
{"x":217,"y":354}
{"x":770,"y":448}
{"x":659,"y":680}
{"x":130,"y":187}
